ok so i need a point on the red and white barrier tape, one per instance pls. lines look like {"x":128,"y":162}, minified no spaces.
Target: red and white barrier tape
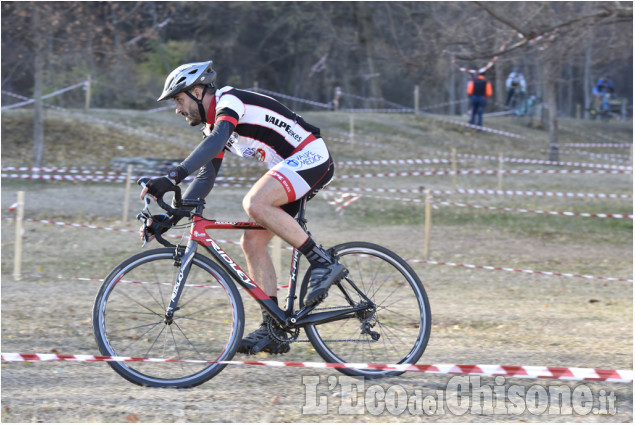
{"x":519,"y":210}
{"x":46,"y":96}
{"x":544,"y":162}
{"x":17,"y":96}
{"x":297,"y":99}
{"x":484,"y":192}
{"x":598,"y":145}
{"x":530,"y":372}
{"x":409,"y":161}
{"x":471,"y":266}
{"x":523,"y":210}
{"x":476,"y":127}
{"x":70,"y":170}
{"x":509,"y":269}
{"x":88,"y":226}
{"x":90,"y":178}
{"x":599,"y":137}
{"x":476,"y":172}
{"x":343,"y":201}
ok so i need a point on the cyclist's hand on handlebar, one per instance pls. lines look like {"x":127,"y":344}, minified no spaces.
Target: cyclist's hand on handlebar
{"x":156,"y":188}
{"x":156,"y":224}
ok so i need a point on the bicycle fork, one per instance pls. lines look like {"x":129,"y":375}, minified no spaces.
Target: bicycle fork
{"x":183,"y":258}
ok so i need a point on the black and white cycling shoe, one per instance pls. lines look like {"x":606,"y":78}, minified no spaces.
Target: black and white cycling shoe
{"x":321,"y":280}
{"x":260,"y":340}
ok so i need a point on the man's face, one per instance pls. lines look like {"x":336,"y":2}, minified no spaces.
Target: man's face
{"x":188,"y":108}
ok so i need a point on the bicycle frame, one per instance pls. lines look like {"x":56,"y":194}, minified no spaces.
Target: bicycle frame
{"x":199,"y":236}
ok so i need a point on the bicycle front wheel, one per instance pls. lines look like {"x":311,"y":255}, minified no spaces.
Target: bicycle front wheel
{"x":396,"y":331}
{"x":129,"y":320}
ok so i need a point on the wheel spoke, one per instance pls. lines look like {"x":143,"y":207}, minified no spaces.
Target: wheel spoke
{"x":401,"y":315}
{"x":129,"y":320}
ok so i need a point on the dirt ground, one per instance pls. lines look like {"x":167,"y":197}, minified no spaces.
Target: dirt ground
{"x":479,"y":317}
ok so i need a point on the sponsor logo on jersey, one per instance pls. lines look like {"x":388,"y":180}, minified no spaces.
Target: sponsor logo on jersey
{"x":248,"y":152}
{"x":307,"y":158}
{"x":287,"y":127}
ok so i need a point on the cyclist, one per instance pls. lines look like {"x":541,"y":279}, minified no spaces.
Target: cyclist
{"x":603,"y":87}
{"x":299,"y":164}
{"x":515,"y":85}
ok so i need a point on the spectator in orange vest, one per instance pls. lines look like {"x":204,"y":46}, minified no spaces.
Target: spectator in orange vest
{"x":478,"y":89}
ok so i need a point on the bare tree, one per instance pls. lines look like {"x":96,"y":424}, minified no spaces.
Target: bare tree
{"x":551,"y":32}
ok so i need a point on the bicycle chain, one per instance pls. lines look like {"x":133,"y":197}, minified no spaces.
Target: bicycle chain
{"x":296,"y":332}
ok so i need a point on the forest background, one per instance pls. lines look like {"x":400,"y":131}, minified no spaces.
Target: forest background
{"x":375,"y":52}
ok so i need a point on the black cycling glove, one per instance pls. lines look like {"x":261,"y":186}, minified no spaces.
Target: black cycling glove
{"x":161,"y":223}
{"x":159,"y":186}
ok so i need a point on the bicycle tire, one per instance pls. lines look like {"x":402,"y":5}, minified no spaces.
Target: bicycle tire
{"x":402,"y":318}
{"x":129,"y":312}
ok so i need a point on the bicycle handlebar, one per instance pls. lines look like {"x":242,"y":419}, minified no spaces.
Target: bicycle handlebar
{"x":178,"y":200}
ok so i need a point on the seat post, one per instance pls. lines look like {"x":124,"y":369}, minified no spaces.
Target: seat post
{"x":301,"y":214}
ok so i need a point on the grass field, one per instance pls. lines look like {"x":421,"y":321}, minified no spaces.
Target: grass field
{"x":479,"y":316}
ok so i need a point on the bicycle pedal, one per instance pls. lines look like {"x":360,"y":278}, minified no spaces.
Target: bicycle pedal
{"x":260,"y":345}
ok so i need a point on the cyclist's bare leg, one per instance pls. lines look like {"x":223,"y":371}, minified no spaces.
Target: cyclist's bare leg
{"x":262,"y":203}
{"x":255,"y":244}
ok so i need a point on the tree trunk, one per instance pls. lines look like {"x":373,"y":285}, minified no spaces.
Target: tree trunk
{"x":364,"y":17}
{"x":586,"y":81}
{"x":38,"y":76}
{"x":452,"y":90}
{"x":570,"y":88}
{"x":499,"y":90}
{"x":550,"y":98}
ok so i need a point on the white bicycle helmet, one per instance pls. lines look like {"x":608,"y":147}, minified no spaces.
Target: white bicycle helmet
{"x":187,"y":76}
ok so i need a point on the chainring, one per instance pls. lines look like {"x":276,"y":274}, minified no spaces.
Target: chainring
{"x":277,"y":333}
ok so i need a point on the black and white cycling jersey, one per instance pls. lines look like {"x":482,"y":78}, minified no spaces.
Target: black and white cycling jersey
{"x":265,"y":128}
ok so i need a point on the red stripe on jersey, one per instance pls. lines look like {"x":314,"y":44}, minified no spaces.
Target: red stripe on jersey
{"x":232,"y":120}
{"x":288,"y":187}
{"x":304,"y":143}
{"x":211,"y":111}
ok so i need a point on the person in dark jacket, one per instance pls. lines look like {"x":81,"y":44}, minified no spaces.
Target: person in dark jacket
{"x":478,"y":89}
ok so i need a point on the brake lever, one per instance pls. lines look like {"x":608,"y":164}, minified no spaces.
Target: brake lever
{"x":143,"y":218}
{"x":146,"y":198}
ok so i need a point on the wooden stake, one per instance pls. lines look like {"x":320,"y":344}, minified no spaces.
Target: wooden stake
{"x":416,"y":99}
{"x":352,"y":127}
{"x":500,"y":173}
{"x":19,"y":230}
{"x":454,"y":169}
{"x":126,"y":200}
{"x":428,"y":224}
{"x":88,"y":83}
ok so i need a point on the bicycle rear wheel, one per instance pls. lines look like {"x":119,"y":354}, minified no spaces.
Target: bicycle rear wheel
{"x":129,"y":313}
{"x":400,"y":322}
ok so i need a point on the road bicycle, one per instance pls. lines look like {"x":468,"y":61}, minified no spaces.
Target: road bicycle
{"x":176,"y":304}
{"x":524,"y":109}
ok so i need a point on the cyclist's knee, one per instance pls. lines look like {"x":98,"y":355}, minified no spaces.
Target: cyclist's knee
{"x":253,"y":206}
{"x":255,"y":241}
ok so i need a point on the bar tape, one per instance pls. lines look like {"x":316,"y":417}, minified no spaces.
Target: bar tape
{"x":532,"y":372}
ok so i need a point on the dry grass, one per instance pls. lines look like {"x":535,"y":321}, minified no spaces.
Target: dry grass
{"x":479,"y":316}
